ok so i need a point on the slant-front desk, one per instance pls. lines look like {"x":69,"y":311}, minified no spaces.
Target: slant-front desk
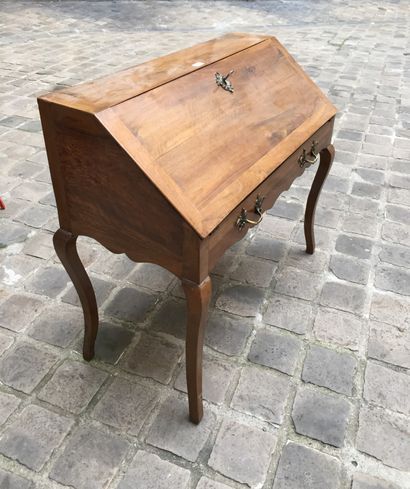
{"x":172,"y":161}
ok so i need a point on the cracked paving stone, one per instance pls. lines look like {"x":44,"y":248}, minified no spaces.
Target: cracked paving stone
{"x":389,"y":343}
{"x":25,"y":366}
{"x":275,"y":350}
{"x":125,"y":405}
{"x":90,"y":459}
{"x":242,"y":453}
{"x":262,"y":393}
{"x":329,"y":368}
{"x":72,"y":386}
{"x":148,"y":471}
{"x":385,"y":436}
{"x":300,"y":466}
{"x":33,"y":436}
{"x":321,"y":416}
{"x":173,"y":431}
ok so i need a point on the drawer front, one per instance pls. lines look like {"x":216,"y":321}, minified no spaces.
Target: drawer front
{"x":230,"y":231}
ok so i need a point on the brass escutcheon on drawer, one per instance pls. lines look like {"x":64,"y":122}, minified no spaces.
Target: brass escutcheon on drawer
{"x":311,"y":158}
{"x":243,"y":216}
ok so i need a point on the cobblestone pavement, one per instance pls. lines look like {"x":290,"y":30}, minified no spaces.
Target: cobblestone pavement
{"x":307,"y":361}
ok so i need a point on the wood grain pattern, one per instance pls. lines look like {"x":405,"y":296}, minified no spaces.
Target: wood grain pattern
{"x":111,"y":90}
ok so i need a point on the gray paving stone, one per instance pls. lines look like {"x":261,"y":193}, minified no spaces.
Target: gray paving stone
{"x":206,"y":483}
{"x":49,"y":281}
{"x":298,"y":283}
{"x":396,"y":233}
{"x":125,"y":405}
{"x":216,"y":378}
{"x":170,"y":319}
{"x":5,"y":342}
{"x":343,"y":296}
{"x":40,"y":245}
{"x":385,"y":436}
{"x":90,"y":459}
{"x":387,"y":388}
{"x":300,"y":466}
{"x":12,"y":233}
{"x":393,"y":279}
{"x":321,"y":416}
{"x":172,"y":431}
{"x":390,"y":309}
{"x":57,"y":326}
{"x":395,"y":255}
{"x":364,"y":481}
{"x":358,"y":224}
{"x":275,"y":350}
{"x":148,"y":471}
{"x":24,"y":366}
{"x":114,"y":266}
{"x":287,"y":209}
{"x":17,"y":312}
{"x":33,"y":436}
{"x":350,"y":269}
{"x":329,"y":368}
{"x":15,"y":268}
{"x":151,"y":276}
{"x":102,"y":289}
{"x":130,"y":305}
{"x":277,"y":227}
{"x":227,"y":334}
{"x":368,"y":190}
{"x":8,"y":404}
{"x":242,"y":453}
{"x":152,"y":357}
{"x":14,"y":481}
{"x":242,"y":300}
{"x":298,"y":258}
{"x":354,"y":246}
{"x":37,"y":215}
{"x":267,"y":248}
{"x":288,"y":313}
{"x":254,"y":271}
{"x":72,"y":386}
{"x":262,"y":393}
{"x":397,"y":213}
{"x":389,"y":343}
{"x":112,"y":341}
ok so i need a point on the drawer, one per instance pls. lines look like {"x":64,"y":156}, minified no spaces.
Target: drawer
{"x":228,"y":232}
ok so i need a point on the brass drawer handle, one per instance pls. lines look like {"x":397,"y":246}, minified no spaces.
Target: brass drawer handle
{"x":243,"y":216}
{"x":311,"y":158}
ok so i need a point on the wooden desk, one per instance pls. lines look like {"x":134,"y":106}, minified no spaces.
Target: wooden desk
{"x":172,"y":161}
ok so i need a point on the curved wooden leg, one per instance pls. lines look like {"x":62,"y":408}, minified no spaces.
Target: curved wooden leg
{"x":198,"y":297}
{"x":326,"y":160}
{"x":66,"y":249}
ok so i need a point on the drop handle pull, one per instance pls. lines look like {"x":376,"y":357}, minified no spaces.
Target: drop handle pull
{"x":243,"y":216}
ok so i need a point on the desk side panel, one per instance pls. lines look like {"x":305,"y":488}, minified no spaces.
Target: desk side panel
{"x":102,"y":193}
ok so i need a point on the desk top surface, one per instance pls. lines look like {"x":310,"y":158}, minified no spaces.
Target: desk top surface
{"x":205,"y":147}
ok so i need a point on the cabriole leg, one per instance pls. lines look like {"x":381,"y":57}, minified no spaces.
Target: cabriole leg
{"x":198,"y":297}
{"x":326,"y":160}
{"x":66,"y":249}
